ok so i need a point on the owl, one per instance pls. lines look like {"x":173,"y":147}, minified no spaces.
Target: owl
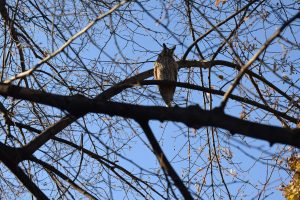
{"x":166,"y":68}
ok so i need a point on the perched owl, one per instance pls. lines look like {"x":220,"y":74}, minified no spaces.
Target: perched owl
{"x":166,"y":68}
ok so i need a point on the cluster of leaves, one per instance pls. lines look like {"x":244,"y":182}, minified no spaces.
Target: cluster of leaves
{"x":292,"y":190}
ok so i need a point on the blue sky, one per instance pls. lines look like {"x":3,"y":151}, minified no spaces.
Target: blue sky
{"x":173,"y":137}
{"x":137,"y":44}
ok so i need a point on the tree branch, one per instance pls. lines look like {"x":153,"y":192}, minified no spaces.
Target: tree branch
{"x":219,"y":92}
{"x":163,"y":161}
{"x":213,"y":28}
{"x":63,"y":176}
{"x":116,"y":89}
{"x":192,"y":116}
{"x":19,"y":173}
{"x":254,"y":58}
{"x":74,"y":37}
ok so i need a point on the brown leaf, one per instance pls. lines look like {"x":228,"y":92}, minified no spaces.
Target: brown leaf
{"x":218,"y":2}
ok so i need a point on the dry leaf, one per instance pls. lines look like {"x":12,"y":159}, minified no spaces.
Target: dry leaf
{"x":218,"y":2}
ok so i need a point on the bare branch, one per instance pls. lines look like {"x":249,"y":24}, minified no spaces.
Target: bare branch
{"x":63,"y":176}
{"x":254,"y":58}
{"x":163,"y":161}
{"x":74,"y":37}
{"x":7,"y":159}
{"x":192,"y":116}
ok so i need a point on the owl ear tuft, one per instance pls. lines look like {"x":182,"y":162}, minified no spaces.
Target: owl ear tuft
{"x":164,"y":46}
{"x":173,"y":49}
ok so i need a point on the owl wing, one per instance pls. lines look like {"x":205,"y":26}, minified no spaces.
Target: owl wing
{"x":175,"y":74}
{"x":155,"y":71}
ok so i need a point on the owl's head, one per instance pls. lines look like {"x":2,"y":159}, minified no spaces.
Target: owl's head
{"x":166,"y":51}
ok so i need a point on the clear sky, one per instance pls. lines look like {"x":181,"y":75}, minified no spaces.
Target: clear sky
{"x":115,"y":49}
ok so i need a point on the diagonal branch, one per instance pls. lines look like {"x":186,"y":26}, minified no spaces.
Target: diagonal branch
{"x":74,"y":37}
{"x":163,"y":161}
{"x":213,"y":28}
{"x":13,"y":32}
{"x":63,"y":176}
{"x":110,"y":165}
{"x":116,"y":89}
{"x":7,"y":159}
{"x":254,"y":58}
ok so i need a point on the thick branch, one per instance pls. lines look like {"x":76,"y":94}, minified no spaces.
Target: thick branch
{"x":67,"y":120}
{"x":192,"y":116}
{"x":36,"y":143}
{"x":19,"y":173}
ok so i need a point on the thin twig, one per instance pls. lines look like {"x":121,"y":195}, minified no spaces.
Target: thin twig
{"x":254,"y":58}
{"x":30,"y":71}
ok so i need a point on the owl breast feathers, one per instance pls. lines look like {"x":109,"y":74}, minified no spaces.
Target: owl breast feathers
{"x":166,"y":68}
